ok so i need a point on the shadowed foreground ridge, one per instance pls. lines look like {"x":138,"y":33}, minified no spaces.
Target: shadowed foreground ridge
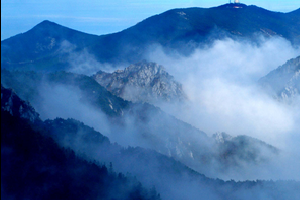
{"x":33,"y":166}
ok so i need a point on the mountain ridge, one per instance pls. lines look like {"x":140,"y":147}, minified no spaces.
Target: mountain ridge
{"x":139,"y":124}
{"x":283,"y":82}
{"x":173,"y":29}
{"x":49,"y":167}
{"x":142,"y":82}
{"x":51,"y":171}
{"x":11,"y":103}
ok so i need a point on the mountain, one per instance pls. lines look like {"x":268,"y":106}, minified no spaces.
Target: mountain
{"x":29,"y":85}
{"x":233,"y":151}
{"x":134,"y":124}
{"x":142,"y":82}
{"x":148,"y":125}
{"x":283,"y":82}
{"x":44,"y":46}
{"x":60,"y":159}
{"x":145,"y":164}
{"x":33,"y":166}
{"x":50,"y":47}
{"x":11,"y":103}
{"x":157,"y":169}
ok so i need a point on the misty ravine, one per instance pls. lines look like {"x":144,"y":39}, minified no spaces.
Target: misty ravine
{"x":185,"y":104}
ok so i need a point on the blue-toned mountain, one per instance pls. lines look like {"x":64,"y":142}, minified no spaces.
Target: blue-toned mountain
{"x":284,"y":82}
{"x":134,"y":124}
{"x":48,"y":46}
{"x":142,"y":82}
{"x":61,"y":159}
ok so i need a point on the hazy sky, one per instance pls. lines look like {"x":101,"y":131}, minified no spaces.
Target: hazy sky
{"x":103,"y":16}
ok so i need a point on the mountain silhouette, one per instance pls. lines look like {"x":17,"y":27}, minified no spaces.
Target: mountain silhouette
{"x":47,"y":45}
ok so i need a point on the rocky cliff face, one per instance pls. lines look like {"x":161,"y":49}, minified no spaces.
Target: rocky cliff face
{"x":15,"y":106}
{"x":284,"y":82}
{"x":142,"y":82}
{"x":220,"y":138}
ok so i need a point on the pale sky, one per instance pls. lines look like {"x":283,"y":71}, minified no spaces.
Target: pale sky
{"x":102,"y":17}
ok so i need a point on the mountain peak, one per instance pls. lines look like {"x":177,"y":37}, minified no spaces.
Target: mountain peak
{"x":46,"y":24}
{"x":144,"y":65}
{"x":143,"y":81}
{"x":173,"y":29}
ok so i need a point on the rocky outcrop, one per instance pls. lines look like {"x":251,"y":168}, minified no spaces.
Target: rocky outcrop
{"x":142,"y":82}
{"x":17,"y":107}
{"x":284,"y":82}
{"x":221,"y":137}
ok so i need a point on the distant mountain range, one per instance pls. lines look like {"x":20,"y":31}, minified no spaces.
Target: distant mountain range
{"x":65,"y":158}
{"x":49,"y":46}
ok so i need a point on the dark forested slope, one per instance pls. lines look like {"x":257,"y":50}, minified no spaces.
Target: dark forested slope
{"x":33,"y":166}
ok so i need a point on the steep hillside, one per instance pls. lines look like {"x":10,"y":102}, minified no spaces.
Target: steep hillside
{"x":29,"y":85}
{"x":283,"y":82}
{"x":50,"y":171}
{"x":135,"y":124}
{"x":11,"y":103}
{"x":33,"y":166}
{"x":43,"y":47}
{"x":149,"y":125}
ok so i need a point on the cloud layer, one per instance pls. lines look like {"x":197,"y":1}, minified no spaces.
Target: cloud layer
{"x":221,"y":84}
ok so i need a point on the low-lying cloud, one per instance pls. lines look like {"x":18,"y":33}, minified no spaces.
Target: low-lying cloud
{"x":81,"y":61}
{"x":57,"y":100}
{"x":221,"y":84}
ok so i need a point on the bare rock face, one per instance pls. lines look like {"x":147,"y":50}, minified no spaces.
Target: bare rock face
{"x":284,"y":82}
{"x":142,"y":82}
{"x":221,"y":137}
{"x":17,"y":107}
